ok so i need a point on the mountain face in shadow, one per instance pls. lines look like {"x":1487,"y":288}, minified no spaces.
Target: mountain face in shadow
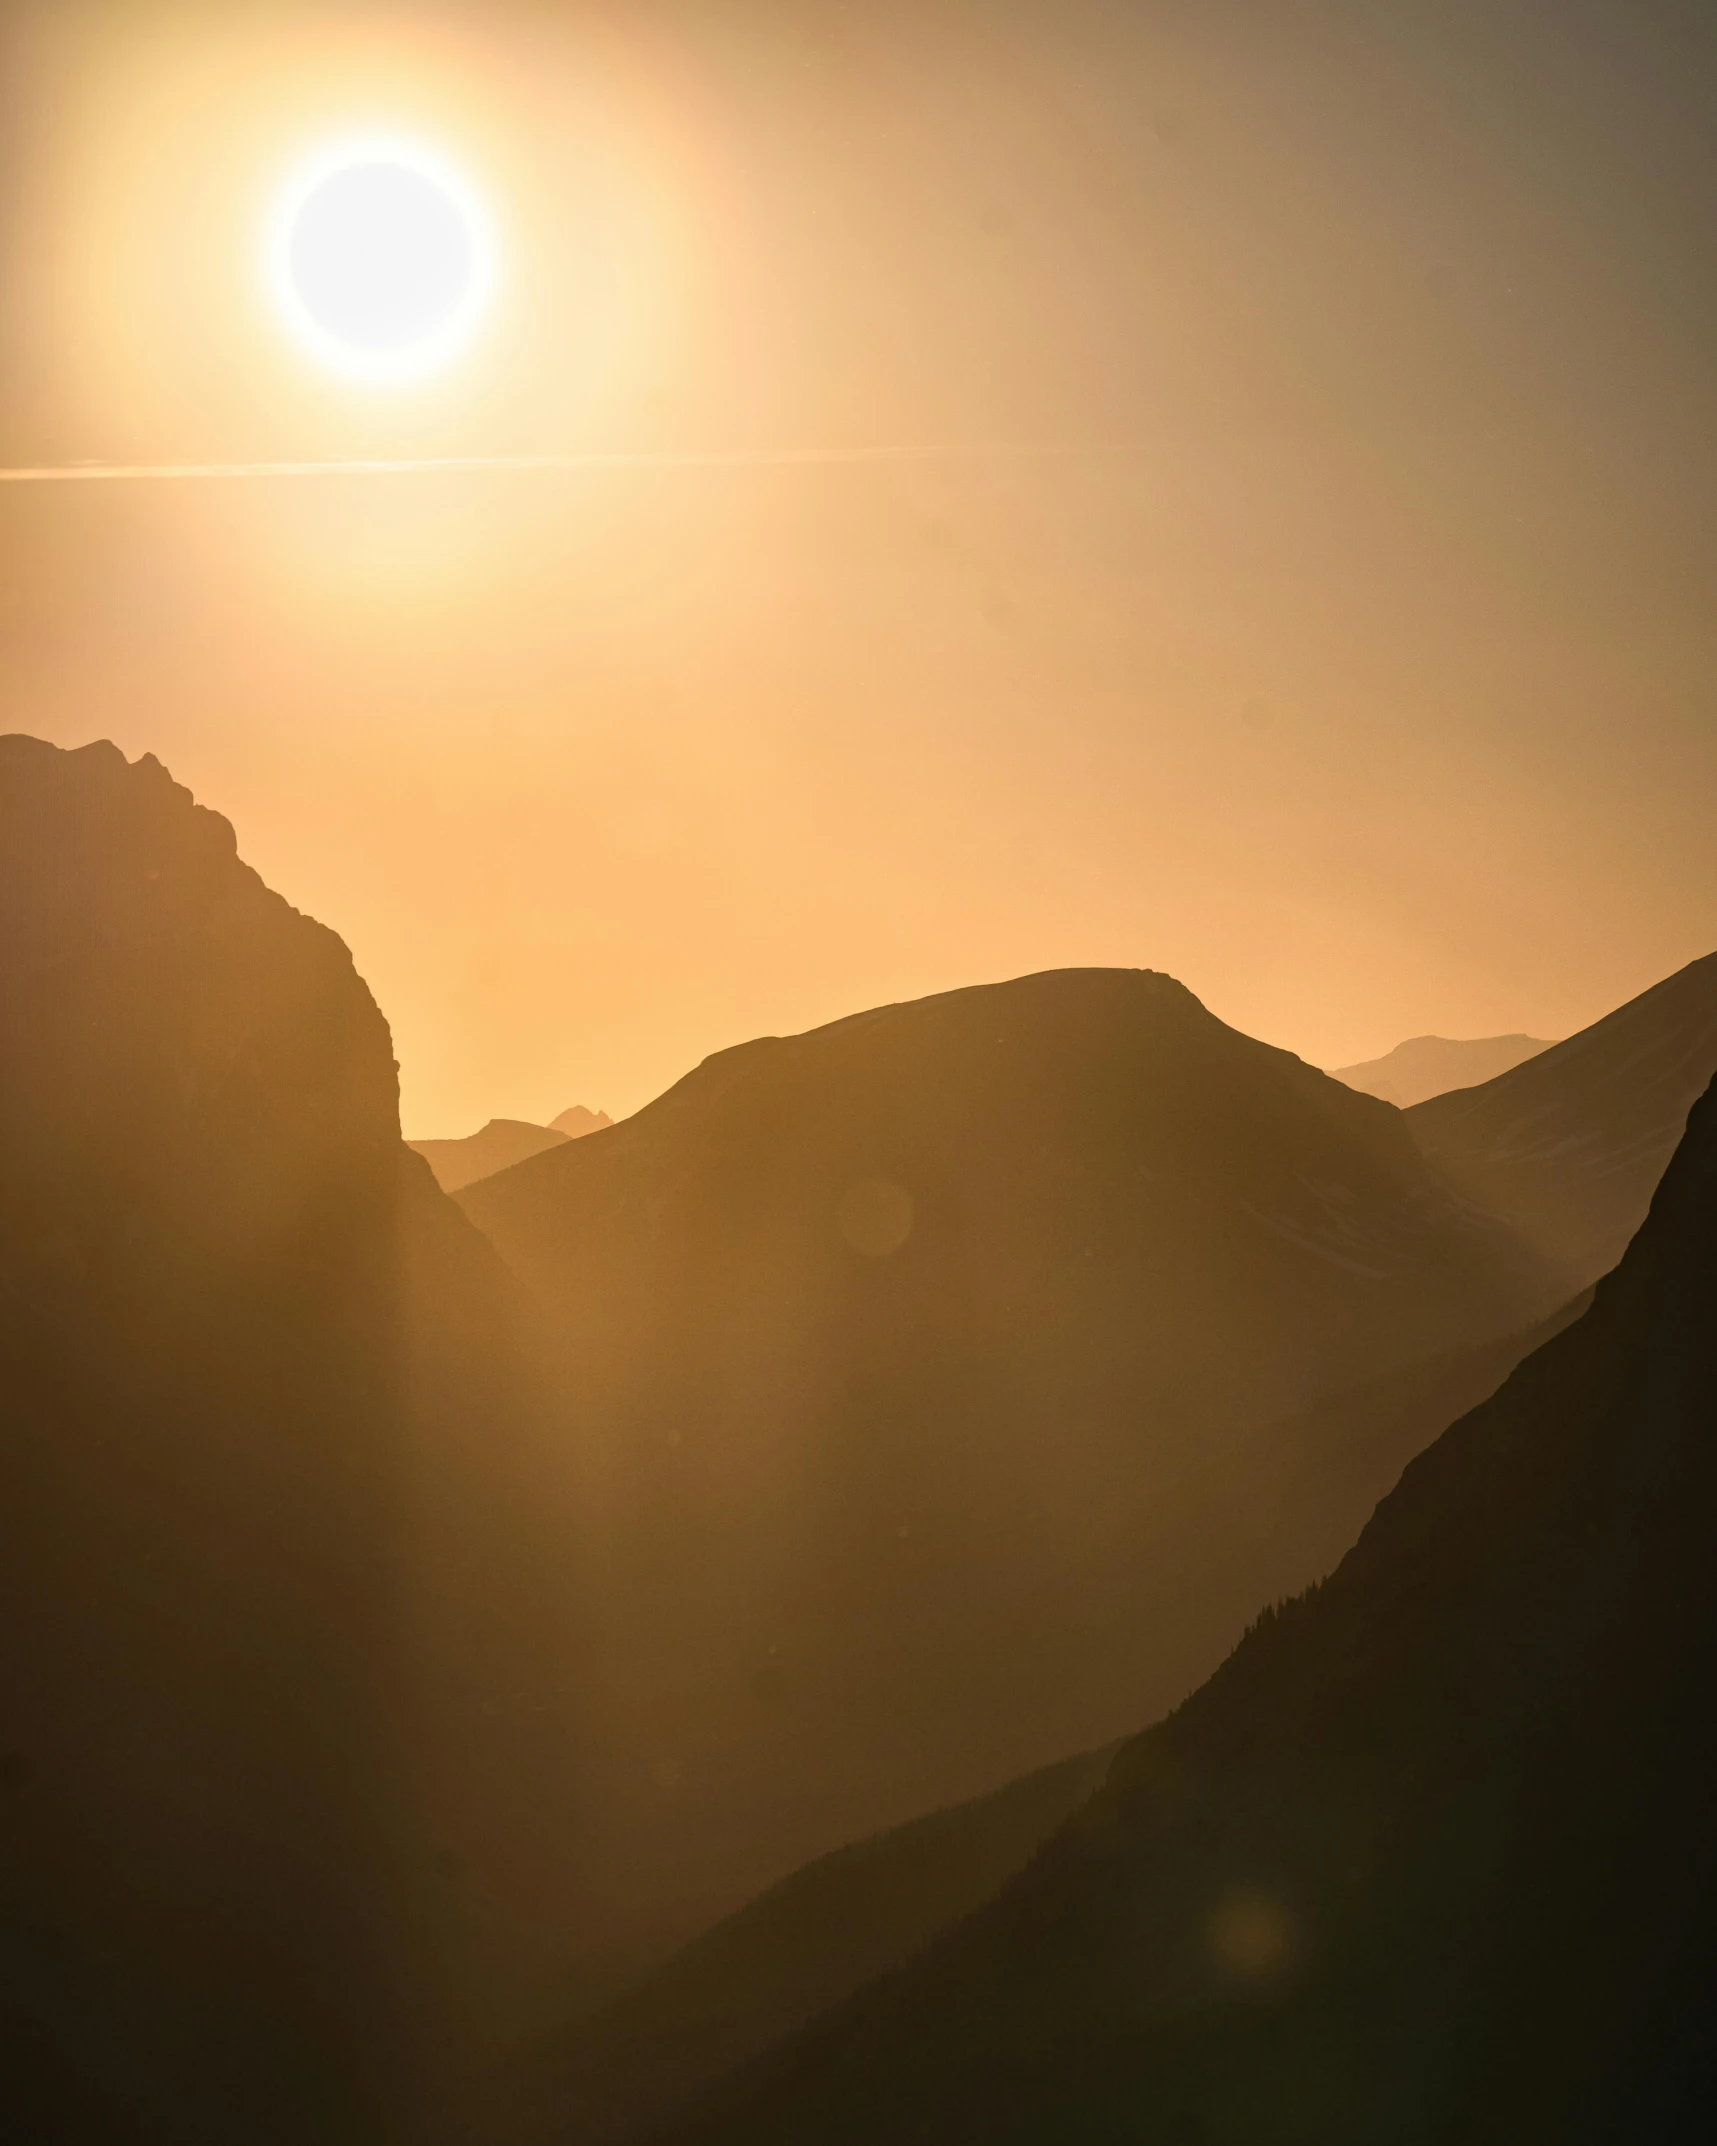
{"x":1425,"y":1066}
{"x":889,"y":1345}
{"x":781,"y":1960}
{"x":1427,"y":1860}
{"x":1569,"y":1146}
{"x":263,"y":1559}
{"x":1264,"y":1519}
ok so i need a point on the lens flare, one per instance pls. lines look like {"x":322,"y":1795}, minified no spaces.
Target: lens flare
{"x":381,"y":259}
{"x":1250,"y":1934}
{"x":875,"y":1217}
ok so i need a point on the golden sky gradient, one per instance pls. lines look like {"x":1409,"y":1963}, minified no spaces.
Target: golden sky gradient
{"x":1308,"y":595}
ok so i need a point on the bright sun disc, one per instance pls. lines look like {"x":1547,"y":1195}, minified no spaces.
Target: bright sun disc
{"x":381,"y":260}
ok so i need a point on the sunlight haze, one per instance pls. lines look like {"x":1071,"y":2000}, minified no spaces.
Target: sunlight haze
{"x":1314,"y":608}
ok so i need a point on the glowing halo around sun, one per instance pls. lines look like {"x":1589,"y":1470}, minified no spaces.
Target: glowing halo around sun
{"x":381,"y":259}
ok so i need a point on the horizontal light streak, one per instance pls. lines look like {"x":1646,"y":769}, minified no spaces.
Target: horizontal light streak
{"x":718,"y":458}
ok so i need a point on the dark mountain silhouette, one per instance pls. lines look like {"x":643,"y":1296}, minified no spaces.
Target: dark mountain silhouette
{"x":1569,"y":1146}
{"x":888,"y":1348}
{"x":267,"y":1577}
{"x":579,"y":1120}
{"x":801,"y":1948}
{"x":1428,"y":1859}
{"x":1431,"y":1065}
{"x":500,"y":1144}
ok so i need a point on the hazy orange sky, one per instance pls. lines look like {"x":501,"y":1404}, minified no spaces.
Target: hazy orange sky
{"x":1315,"y":603}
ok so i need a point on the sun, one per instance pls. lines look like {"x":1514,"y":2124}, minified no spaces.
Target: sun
{"x":381,"y":259}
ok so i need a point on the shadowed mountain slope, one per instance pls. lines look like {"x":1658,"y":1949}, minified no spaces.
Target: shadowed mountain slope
{"x":1428,"y":1860}
{"x":1569,"y":1146}
{"x":1425,"y":1066}
{"x":890,"y":1344}
{"x":1265,"y":1519}
{"x":1268,"y":1516}
{"x":262,"y":1564}
{"x":782,"y":1959}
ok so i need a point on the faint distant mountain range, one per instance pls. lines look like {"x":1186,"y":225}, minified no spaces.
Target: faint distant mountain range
{"x":501,"y":1143}
{"x":1568,"y":1146}
{"x":1428,"y":1859}
{"x":1431,"y":1065}
{"x":578,"y":1121}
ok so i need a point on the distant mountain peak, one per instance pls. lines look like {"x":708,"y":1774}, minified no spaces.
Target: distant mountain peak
{"x":1567,"y":1146}
{"x":501,"y":1144}
{"x":1425,"y":1066}
{"x":578,"y":1121}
